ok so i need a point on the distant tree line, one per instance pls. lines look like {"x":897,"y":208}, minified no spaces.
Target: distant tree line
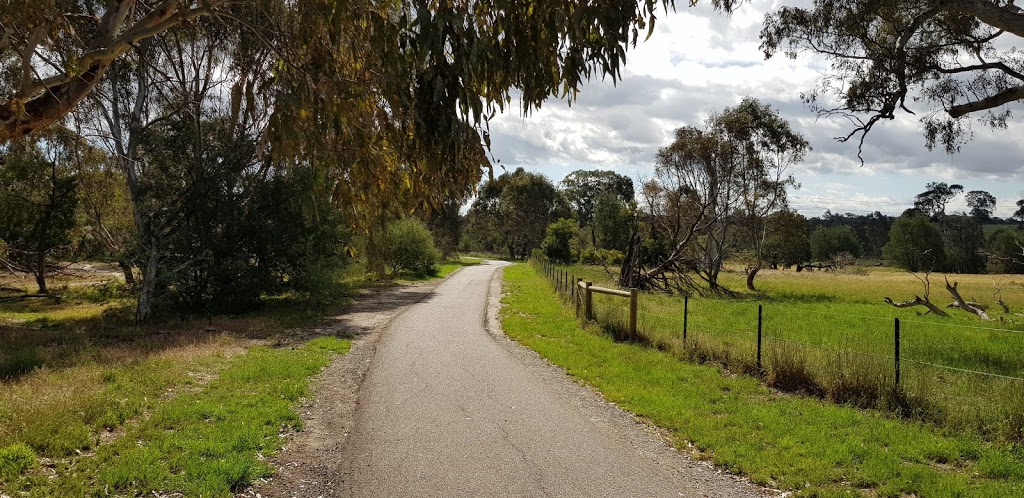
{"x":680,"y":237}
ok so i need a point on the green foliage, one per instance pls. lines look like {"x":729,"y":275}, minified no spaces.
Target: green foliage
{"x":915,"y":244}
{"x":828,"y":242}
{"x":235,"y":234}
{"x":406,"y":245}
{"x":872,"y":229}
{"x":787,"y":242}
{"x":512,"y":213}
{"x":963,"y":241}
{"x":894,"y":56}
{"x":613,"y":220}
{"x":1006,"y":251}
{"x":558,"y":244}
{"x":982,"y":205}
{"x":584,"y":189}
{"x":446,"y":226}
{"x":604,"y":257}
{"x":38,"y":200}
{"x":15,"y":460}
{"x":932,"y":202}
{"x":712,"y":186}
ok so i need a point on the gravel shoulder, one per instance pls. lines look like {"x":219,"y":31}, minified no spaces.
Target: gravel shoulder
{"x":395,"y":417}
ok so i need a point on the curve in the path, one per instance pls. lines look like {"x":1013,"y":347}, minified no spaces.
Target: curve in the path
{"x":449,"y":410}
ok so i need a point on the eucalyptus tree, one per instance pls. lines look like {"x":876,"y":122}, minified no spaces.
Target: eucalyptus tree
{"x":583,"y":190}
{"x":389,"y":99}
{"x":945,"y":60}
{"x":982,"y":205}
{"x":711,"y":187}
{"x":932,"y":202}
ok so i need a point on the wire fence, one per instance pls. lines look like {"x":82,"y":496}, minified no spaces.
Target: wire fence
{"x":961,"y":376}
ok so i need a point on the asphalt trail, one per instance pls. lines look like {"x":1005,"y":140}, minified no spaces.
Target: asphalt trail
{"x":448,"y":409}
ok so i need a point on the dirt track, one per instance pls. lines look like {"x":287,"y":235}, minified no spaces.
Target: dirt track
{"x":434,"y":401}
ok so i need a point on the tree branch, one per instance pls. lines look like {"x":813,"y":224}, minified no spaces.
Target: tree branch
{"x":1004,"y":97}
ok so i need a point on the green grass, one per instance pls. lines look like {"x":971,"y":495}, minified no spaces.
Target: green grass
{"x":198,"y":423}
{"x":445,"y":268}
{"x":793,"y":442}
{"x":830,"y":334}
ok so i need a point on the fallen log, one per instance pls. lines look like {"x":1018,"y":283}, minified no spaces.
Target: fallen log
{"x":964,"y":305}
{"x":918,"y":302}
{"x":972,"y":304}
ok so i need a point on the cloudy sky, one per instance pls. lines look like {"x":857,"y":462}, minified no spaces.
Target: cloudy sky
{"x":699,"y":62}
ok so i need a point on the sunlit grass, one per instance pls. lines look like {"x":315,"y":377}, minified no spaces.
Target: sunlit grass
{"x":797,"y":443}
{"x":195,"y":419}
{"x":824,"y":333}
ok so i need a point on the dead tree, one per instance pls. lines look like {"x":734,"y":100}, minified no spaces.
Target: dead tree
{"x":918,"y":301}
{"x":964,"y":305}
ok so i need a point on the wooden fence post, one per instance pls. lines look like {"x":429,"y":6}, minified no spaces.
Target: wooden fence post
{"x":632,"y":314}
{"x":897,"y":337}
{"x":759,"y":321}
{"x":588,"y":303}
{"x":577,"y":300}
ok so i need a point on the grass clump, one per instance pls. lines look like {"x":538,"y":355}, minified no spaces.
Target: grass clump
{"x":15,"y":460}
{"x":797,"y":443}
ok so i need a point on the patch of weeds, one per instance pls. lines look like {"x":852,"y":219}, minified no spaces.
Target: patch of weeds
{"x":15,"y":460}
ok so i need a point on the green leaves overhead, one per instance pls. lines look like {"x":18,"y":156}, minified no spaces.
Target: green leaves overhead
{"x":943,"y":59}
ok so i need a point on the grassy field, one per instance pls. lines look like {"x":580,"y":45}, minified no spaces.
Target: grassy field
{"x":830,"y":334}
{"x":793,"y":442}
{"x":92,"y":405}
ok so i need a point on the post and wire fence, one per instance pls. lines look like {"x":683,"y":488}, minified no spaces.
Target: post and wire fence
{"x":961,"y":376}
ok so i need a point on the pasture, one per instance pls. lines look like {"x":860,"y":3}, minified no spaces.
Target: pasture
{"x":831,"y":335}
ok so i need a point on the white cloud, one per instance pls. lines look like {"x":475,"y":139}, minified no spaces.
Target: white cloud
{"x":699,"y":62}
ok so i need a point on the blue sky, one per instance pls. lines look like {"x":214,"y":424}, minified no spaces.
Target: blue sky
{"x":699,"y":62}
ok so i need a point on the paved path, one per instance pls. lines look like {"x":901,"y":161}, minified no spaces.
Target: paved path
{"x":448,"y":409}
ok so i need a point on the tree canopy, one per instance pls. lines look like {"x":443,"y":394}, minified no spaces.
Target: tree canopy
{"x":942,"y":59}
{"x":932,"y":202}
{"x":463,"y":56}
{"x":711,"y":183}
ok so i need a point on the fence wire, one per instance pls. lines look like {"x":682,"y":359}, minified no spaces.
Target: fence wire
{"x":863,"y":359}
{"x":604,"y":306}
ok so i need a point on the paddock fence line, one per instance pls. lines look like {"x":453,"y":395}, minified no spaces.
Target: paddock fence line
{"x":958,"y":371}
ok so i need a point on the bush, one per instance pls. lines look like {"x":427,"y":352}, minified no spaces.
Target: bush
{"x":557,"y":245}
{"x":407,"y":246}
{"x":1006,"y":253}
{"x":915,"y":244}
{"x":272,"y":235}
{"x":601,"y":257}
{"x":828,"y":242}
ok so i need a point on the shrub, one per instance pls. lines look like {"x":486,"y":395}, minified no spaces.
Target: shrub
{"x":407,"y":246}
{"x":827,"y":242}
{"x":915,"y":244}
{"x":557,"y":245}
{"x":601,"y":257}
